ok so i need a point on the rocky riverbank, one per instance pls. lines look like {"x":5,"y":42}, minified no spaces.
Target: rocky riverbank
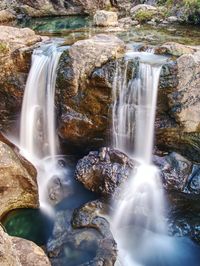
{"x":84,"y":100}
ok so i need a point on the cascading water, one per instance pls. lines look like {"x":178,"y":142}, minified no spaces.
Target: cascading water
{"x":140,"y":207}
{"x":38,"y":139}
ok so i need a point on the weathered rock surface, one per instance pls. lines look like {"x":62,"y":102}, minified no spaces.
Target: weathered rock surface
{"x":181,"y":131}
{"x":179,"y":174}
{"x":16,"y":251}
{"x":105,"y":171}
{"x":104,"y":18}
{"x":176,"y":49}
{"x":18,"y":185}
{"x":6,"y":16}
{"x":16,"y":46}
{"x":142,"y":7}
{"x":175,"y":171}
{"x":185,"y":101}
{"x":82,"y":238}
{"x":85,"y":105}
{"x":183,"y":216}
{"x":39,"y":8}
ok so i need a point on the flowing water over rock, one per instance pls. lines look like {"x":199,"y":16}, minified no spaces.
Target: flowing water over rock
{"x":38,"y":139}
{"x":141,"y":203}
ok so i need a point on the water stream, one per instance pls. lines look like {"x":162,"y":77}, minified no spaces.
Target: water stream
{"x":138,"y":222}
{"x":38,"y":138}
{"x":141,"y":202}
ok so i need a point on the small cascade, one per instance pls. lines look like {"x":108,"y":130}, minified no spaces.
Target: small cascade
{"x":139,"y":211}
{"x":38,"y":138}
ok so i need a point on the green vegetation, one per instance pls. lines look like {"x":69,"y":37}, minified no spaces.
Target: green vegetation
{"x":187,"y":10}
{"x":147,"y":15}
{"x":3,"y":48}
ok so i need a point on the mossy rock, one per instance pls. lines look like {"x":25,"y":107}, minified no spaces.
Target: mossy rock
{"x":147,"y":15}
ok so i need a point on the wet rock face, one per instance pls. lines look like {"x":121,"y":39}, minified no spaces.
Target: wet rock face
{"x":177,"y":121}
{"x":179,"y":174}
{"x":16,"y":251}
{"x":105,"y":171}
{"x":183,"y":216}
{"x":175,"y":171}
{"x":16,"y":46}
{"x":18,"y":185}
{"x":84,"y":104}
{"x":82,"y":237}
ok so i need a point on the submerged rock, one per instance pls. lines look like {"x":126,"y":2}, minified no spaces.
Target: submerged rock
{"x":18,"y":185}
{"x":104,"y":18}
{"x":82,"y":238}
{"x":16,"y":251}
{"x":104,"y":171}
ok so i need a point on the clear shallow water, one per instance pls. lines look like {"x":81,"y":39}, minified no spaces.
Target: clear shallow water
{"x":30,"y":224}
{"x":78,"y":27}
{"x":56,"y":25}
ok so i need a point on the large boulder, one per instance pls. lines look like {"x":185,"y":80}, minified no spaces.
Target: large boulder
{"x":18,"y":185}
{"x":105,"y":171}
{"x":85,"y":105}
{"x":104,"y":18}
{"x":16,"y":46}
{"x":175,"y":49}
{"x":179,"y":126}
{"x":142,"y":7}
{"x":16,"y":251}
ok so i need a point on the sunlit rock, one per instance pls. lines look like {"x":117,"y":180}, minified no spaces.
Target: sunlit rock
{"x":18,"y":185}
{"x":16,"y":251}
{"x":176,"y":49}
{"x":16,"y":46}
{"x":141,"y":7}
{"x":40,"y":8}
{"x":6,"y":16}
{"x":104,"y":18}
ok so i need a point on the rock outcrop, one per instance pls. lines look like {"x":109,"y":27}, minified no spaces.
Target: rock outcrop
{"x":104,"y":18}
{"x":41,"y":8}
{"x":18,"y":185}
{"x":16,"y":46}
{"x":85,"y":105}
{"x":105,"y":171}
{"x":16,"y":251}
{"x":179,"y":98}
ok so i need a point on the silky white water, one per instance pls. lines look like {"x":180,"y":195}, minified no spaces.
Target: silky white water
{"x":38,"y":138}
{"x":139,"y":209}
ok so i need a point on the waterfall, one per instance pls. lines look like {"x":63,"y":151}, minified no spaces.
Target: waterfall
{"x":38,"y":138}
{"x":139,"y":211}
